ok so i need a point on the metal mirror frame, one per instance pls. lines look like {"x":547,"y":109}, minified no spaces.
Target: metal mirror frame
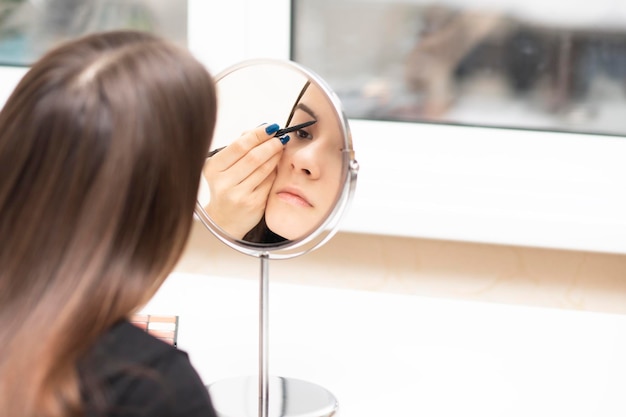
{"x":329,"y":226}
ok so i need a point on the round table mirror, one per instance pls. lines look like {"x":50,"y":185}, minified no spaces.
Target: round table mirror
{"x":275,"y":207}
{"x":314,"y":177}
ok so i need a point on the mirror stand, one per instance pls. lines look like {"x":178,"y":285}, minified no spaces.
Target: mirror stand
{"x":273,"y":396}
{"x":314,"y":183}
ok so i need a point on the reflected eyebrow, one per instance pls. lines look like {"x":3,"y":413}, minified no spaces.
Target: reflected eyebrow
{"x":306,"y":109}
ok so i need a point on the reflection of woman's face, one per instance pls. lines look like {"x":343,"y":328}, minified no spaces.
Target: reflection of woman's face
{"x":309,"y":172}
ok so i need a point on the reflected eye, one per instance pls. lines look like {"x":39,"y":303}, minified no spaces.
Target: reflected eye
{"x":303,"y":134}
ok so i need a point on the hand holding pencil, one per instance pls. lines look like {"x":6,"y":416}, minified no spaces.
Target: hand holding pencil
{"x":240,"y":176}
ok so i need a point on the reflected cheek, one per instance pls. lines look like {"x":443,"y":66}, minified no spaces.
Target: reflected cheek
{"x":328,"y":192}
{"x":326,"y":197}
{"x":289,"y":221}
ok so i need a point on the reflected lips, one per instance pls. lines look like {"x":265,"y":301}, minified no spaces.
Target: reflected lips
{"x":292,"y":197}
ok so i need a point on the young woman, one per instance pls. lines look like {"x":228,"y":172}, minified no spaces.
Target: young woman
{"x":102,"y":144}
{"x":266,"y":193}
{"x":308,"y":178}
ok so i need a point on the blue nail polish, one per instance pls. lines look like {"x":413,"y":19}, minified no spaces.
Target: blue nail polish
{"x":273,"y":128}
{"x":284,"y":139}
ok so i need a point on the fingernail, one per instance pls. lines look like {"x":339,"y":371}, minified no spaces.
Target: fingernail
{"x":273,"y":128}
{"x":284,"y":139}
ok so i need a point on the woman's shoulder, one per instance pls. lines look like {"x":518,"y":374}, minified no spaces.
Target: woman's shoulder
{"x":125,"y":340}
{"x":137,"y":370}
{"x":126,"y":349}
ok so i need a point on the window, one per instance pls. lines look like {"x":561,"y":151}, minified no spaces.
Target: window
{"x":28,"y":28}
{"x":554,"y":66}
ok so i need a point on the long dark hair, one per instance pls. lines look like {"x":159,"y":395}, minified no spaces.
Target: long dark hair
{"x":101,"y":149}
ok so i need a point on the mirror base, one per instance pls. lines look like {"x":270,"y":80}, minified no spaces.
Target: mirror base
{"x":288,"y":397}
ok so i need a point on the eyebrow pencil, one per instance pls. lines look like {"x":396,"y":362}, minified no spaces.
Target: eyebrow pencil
{"x":280,"y":132}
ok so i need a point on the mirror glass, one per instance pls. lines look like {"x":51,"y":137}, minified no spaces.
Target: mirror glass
{"x":291,"y":202}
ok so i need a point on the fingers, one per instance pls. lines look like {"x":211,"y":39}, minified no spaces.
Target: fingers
{"x":258,"y":162}
{"x":263,"y":189}
{"x":247,"y":142}
{"x":241,"y":208}
{"x":240,"y":178}
{"x":259,"y":176}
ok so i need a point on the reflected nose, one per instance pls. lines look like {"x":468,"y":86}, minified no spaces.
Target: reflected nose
{"x":307,"y":161}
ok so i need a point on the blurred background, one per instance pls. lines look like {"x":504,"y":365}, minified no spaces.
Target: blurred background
{"x":516,"y":64}
{"x":30,"y":27}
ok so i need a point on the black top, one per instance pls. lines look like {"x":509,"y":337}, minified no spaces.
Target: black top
{"x":130,"y":373}
{"x":261,"y":235}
